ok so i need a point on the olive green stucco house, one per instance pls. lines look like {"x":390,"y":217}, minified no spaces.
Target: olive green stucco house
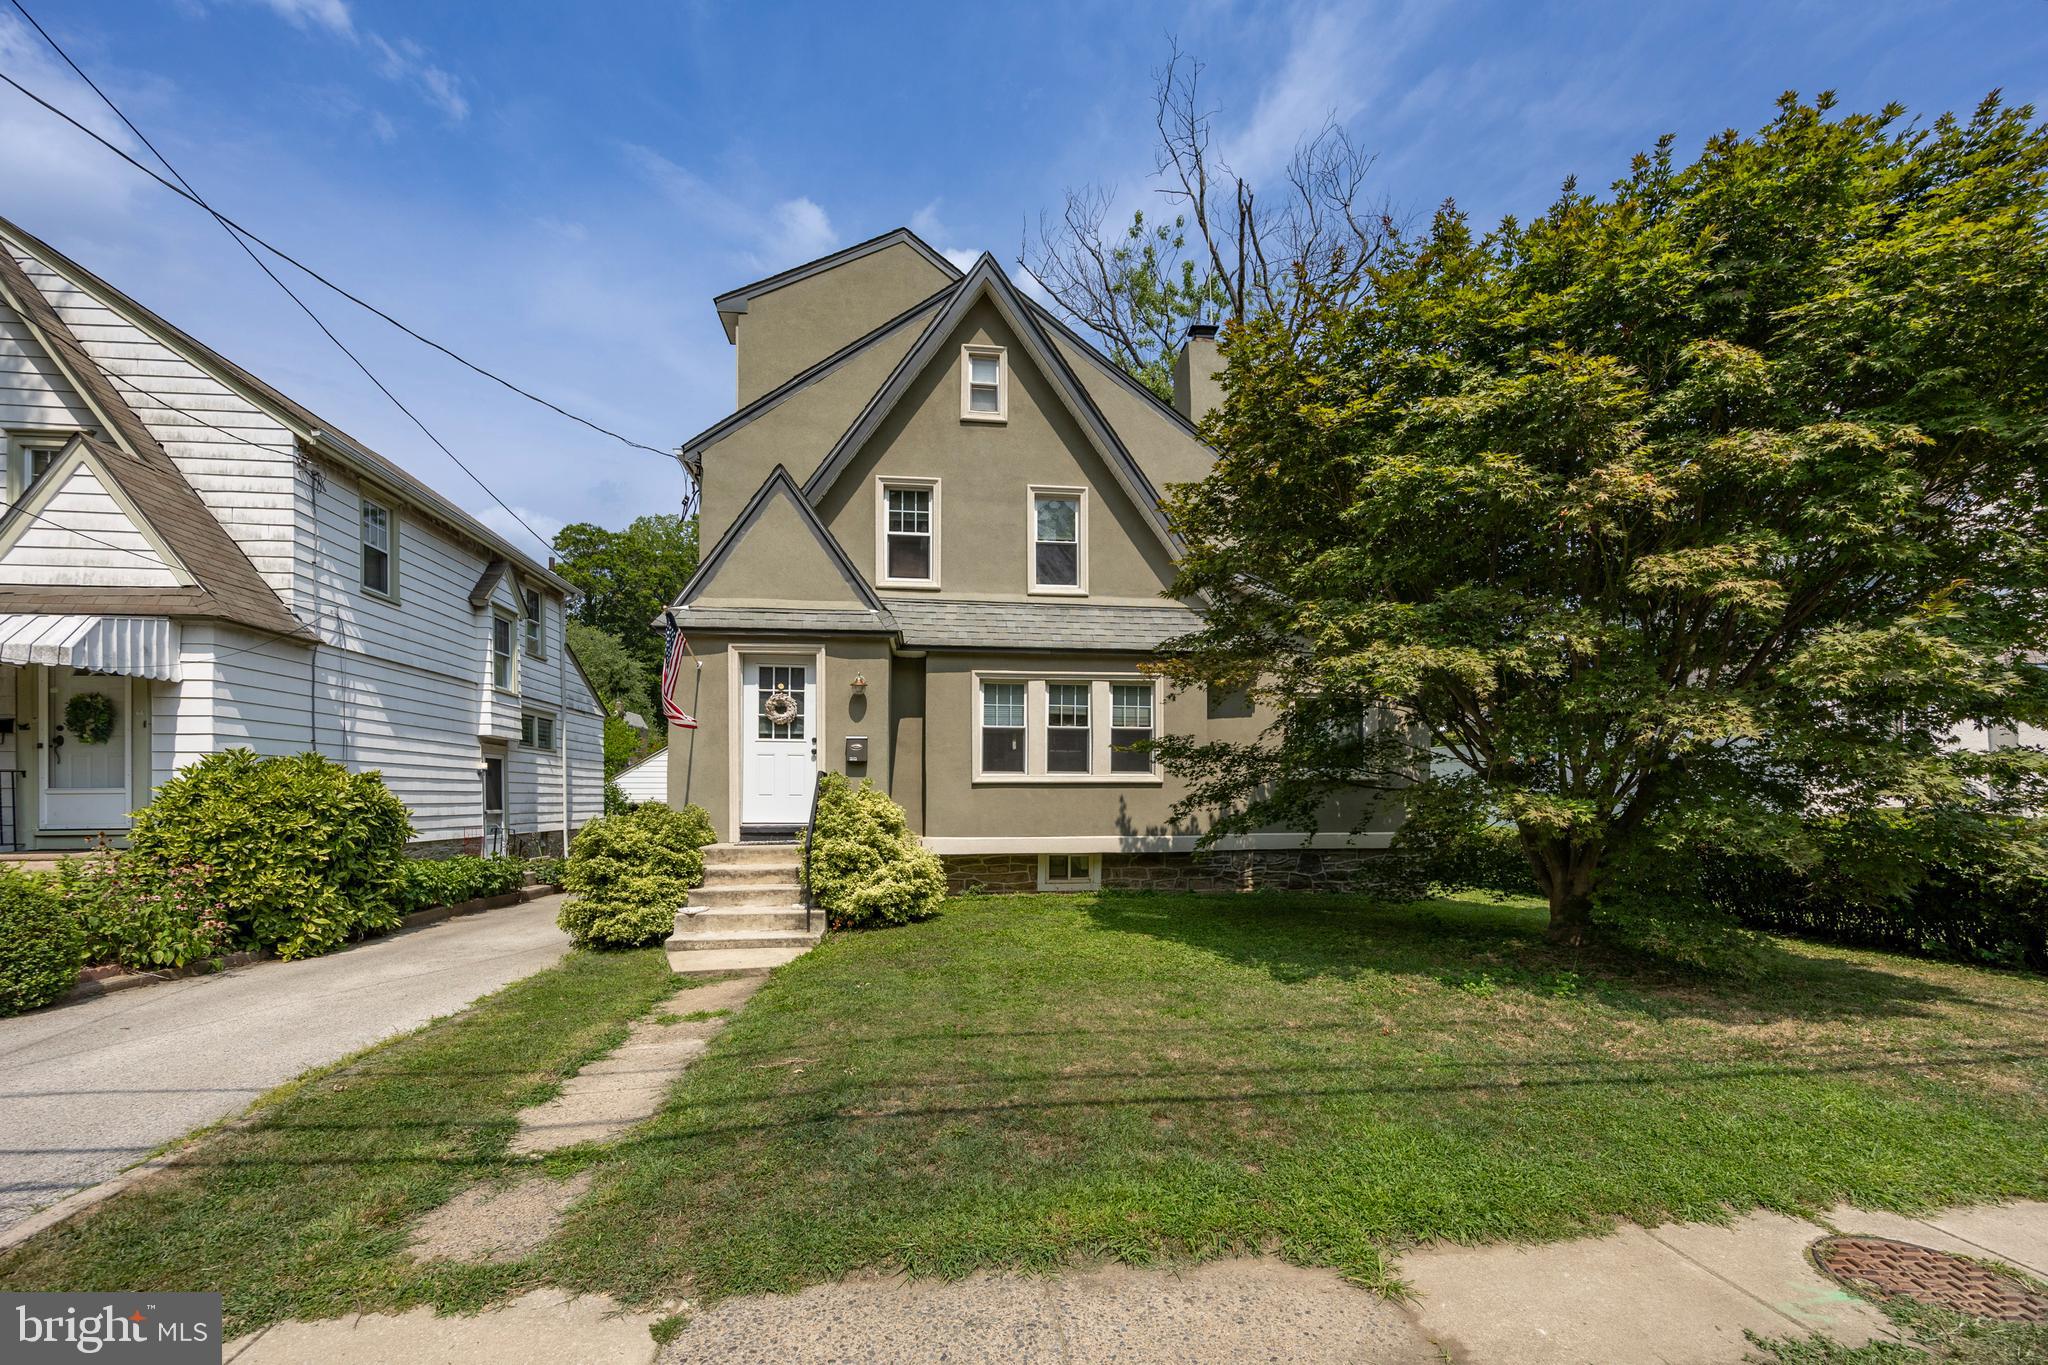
{"x":935,"y":557}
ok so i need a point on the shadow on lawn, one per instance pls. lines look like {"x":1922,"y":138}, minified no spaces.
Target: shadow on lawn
{"x":1297,"y":938}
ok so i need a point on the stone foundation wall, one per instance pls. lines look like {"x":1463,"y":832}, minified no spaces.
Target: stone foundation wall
{"x":1261,"y":870}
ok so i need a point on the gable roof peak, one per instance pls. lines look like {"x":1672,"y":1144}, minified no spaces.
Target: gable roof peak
{"x":733,"y":302}
{"x":777,"y":484}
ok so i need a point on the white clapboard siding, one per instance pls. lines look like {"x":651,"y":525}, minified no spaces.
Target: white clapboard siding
{"x":82,"y":536}
{"x":33,"y":391}
{"x":237,"y":457}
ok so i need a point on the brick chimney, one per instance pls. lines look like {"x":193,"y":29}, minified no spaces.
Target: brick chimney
{"x":1196,"y":388}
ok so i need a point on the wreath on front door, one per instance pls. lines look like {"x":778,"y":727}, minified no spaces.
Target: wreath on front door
{"x":780,"y":707}
{"x":89,"y":717}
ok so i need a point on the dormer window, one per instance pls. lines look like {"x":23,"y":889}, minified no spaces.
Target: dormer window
{"x":907,"y":533}
{"x":30,"y":459}
{"x":984,"y":384}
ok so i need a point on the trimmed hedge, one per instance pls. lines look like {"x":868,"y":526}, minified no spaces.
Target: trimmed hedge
{"x":300,"y":854}
{"x":41,"y":945}
{"x":867,"y":868}
{"x":426,"y":882}
{"x":631,"y":872}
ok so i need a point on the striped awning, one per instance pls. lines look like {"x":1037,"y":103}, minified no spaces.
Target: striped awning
{"x":132,"y":646}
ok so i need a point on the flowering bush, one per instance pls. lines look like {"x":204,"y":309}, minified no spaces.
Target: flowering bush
{"x":141,"y":916}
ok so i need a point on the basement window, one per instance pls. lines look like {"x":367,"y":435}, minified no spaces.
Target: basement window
{"x":1069,"y":872}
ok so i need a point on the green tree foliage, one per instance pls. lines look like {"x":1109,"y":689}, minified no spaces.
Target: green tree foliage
{"x":41,"y":946}
{"x":867,"y":868}
{"x":295,"y":853}
{"x":624,"y":683}
{"x":631,"y":872}
{"x":1673,"y":516}
{"x":625,"y":578}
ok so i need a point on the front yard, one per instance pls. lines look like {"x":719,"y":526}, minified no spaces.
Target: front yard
{"x":1022,"y":1081}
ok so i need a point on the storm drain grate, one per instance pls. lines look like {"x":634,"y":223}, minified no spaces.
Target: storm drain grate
{"x":1925,"y":1275}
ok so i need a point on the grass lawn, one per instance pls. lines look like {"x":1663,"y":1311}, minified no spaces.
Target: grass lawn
{"x":1027,"y":1080}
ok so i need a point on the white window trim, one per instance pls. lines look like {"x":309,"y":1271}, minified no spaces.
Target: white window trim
{"x":511,"y":686}
{"x":534,"y":636}
{"x":554,"y":731}
{"x":389,"y":592}
{"x":1092,"y":882}
{"x":1032,"y":586}
{"x":1035,"y":711}
{"x":883,"y":483}
{"x":1002,"y":359}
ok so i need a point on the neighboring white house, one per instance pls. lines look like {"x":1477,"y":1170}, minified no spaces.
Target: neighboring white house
{"x":647,"y":780}
{"x":227,"y":569}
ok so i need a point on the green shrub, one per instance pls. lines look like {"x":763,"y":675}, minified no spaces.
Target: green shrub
{"x":546,"y":871}
{"x":631,"y":872}
{"x":427,"y":882}
{"x":867,"y":868}
{"x":41,"y":946}
{"x":616,"y":802}
{"x":301,"y":854}
{"x":138,"y":915}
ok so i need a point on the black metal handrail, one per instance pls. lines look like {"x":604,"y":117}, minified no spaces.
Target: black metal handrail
{"x":810,"y":830}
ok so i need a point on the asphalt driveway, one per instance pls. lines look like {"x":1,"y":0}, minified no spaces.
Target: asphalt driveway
{"x":90,"y":1088}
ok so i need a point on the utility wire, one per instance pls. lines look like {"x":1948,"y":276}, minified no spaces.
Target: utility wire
{"x":184,"y":191}
{"x":234,"y":234}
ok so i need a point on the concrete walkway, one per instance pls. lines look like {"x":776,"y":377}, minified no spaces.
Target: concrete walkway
{"x":87,"y":1089}
{"x":1676,"y":1295}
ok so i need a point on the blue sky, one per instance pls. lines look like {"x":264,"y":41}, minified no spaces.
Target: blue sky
{"x":558,"y":190}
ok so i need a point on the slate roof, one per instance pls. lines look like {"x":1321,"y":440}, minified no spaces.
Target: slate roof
{"x":228,"y":587}
{"x":1038,"y":627}
{"x":991,"y":627}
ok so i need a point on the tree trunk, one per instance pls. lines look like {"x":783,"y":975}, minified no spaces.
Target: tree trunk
{"x":1565,"y":868}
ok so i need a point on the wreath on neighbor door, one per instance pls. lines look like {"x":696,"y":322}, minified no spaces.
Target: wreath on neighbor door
{"x":780,"y":707}
{"x":89,"y":717}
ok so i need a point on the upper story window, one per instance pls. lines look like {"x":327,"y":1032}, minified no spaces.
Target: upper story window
{"x":984,"y":384}
{"x":536,"y":731}
{"x":378,"y":525}
{"x":504,"y":666}
{"x":907,"y":531}
{"x":536,"y":622}
{"x":1059,"y":554}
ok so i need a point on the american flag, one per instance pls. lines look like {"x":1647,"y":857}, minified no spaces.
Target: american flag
{"x":672,"y":673}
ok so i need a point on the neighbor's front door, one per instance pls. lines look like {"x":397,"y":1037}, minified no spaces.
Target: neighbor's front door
{"x":85,"y":785}
{"x":778,"y":715}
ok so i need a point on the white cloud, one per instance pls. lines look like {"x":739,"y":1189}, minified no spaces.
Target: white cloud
{"x":406,"y":61}
{"x":927,"y":224}
{"x":51,"y":165}
{"x":332,"y":15}
{"x":960,"y":256}
{"x":781,"y":235}
{"x":802,"y":231}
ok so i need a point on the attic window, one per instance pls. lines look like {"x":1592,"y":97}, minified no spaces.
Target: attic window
{"x":984,"y":384}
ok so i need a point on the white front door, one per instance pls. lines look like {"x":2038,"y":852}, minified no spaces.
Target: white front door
{"x":778,"y":714}
{"x":85,"y":784}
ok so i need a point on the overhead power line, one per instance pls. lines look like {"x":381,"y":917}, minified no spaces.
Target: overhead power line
{"x":235,"y":235}
{"x":184,"y":191}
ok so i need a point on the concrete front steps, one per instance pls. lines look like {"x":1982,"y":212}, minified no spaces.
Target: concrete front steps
{"x":748,"y":917}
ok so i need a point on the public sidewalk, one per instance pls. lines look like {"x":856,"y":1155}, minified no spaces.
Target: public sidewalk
{"x":1681,"y":1294}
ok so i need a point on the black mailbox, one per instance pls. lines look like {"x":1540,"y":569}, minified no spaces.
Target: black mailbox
{"x":856,"y":748}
